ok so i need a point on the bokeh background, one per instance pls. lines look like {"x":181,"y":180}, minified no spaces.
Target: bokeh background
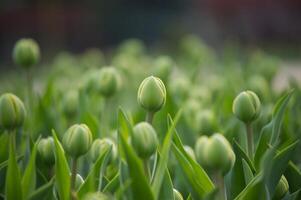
{"x":77,"y":25}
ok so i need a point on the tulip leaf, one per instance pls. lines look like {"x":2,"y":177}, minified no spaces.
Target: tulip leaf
{"x":13,"y":188}
{"x":41,"y":192}
{"x":254,"y":190}
{"x":293,"y":175}
{"x":248,"y":174}
{"x":244,"y":156}
{"x":5,"y":163}
{"x":92,"y":180}
{"x":62,"y":177}
{"x":163,"y":158}
{"x":113,"y":184}
{"x":166,"y":189}
{"x":139,"y":184}
{"x":29,"y":177}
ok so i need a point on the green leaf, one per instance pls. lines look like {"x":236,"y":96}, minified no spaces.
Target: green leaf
{"x":244,"y":156}
{"x":254,"y":190}
{"x":248,"y":174}
{"x":293,"y":176}
{"x":29,"y":177}
{"x":92,"y":180}
{"x":41,"y":192}
{"x":139,"y":184}
{"x":13,"y":188}
{"x":62,"y":177}
{"x":5,"y":163}
{"x":164,"y":155}
{"x":112,"y":185}
{"x":166,"y":189}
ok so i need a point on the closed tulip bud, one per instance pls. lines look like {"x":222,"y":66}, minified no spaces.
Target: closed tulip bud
{"x":177,"y":195}
{"x":77,"y":140}
{"x":97,"y":196}
{"x":26,"y":53}
{"x":152,"y":94}
{"x":246,"y":106}
{"x":107,"y":81}
{"x":163,"y":66}
{"x":46,"y":150}
{"x":281,"y":188}
{"x":100,"y":146}
{"x":144,"y":140}
{"x":190,"y":152}
{"x":219,"y":154}
{"x":78,"y":181}
{"x":71,"y":103}
{"x":199,"y":149}
{"x":12,"y":111}
{"x":205,"y":122}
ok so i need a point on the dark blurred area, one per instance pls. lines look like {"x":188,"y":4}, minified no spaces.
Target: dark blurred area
{"x":77,"y":25}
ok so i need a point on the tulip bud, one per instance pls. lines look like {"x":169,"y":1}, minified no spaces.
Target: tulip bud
{"x":177,"y":195}
{"x":46,"y":150}
{"x":199,"y":149}
{"x":71,"y":103}
{"x":97,"y":196}
{"x":100,"y":146}
{"x":152,"y":94}
{"x":205,"y":122}
{"x":189,"y":151}
{"x":246,"y":106}
{"x":163,"y":66}
{"x":26,"y":53}
{"x":12,"y":111}
{"x":219,"y":154}
{"x":144,"y":140}
{"x":281,"y":188}
{"x":107,"y":81}
{"x":77,"y":140}
{"x":78,"y":181}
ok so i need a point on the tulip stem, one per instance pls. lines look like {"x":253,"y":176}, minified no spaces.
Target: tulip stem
{"x":73,"y":178}
{"x":149,"y":117}
{"x":219,"y":181}
{"x":146,"y":168}
{"x":250,"y":139}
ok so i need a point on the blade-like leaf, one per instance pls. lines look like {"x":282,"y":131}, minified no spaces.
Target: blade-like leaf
{"x":42,"y":191}
{"x":62,"y":171}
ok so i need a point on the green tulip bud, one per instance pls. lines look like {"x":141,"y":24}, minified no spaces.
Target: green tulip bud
{"x":12,"y":111}
{"x":77,"y":140}
{"x":189,"y":151}
{"x":107,"y":81}
{"x":144,"y":140}
{"x":78,"y":181}
{"x":246,"y":106}
{"x":100,"y":146}
{"x":180,"y":88}
{"x":219,"y":154}
{"x":205,"y":122}
{"x":26,"y":53}
{"x":199,"y":149}
{"x":96,"y":196}
{"x":163,"y":66}
{"x":46,"y":150}
{"x":152,"y":94}
{"x":71,"y":103}
{"x":177,"y":195}
{"x":259,"y":85}
{"x":281,"y":188}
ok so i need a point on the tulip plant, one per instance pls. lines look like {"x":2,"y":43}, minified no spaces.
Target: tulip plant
{"x":130,"y":126}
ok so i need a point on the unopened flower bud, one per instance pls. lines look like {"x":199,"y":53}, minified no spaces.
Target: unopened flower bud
{"x":71,"y":103}
{"x":177,"y":195}
{"x":26,"y":53}
{"x":199,"y":149}
{"x":107,"y":81}
{"x":163,"y":66}
{"x":46,"y":150}
{"x":77,"y":140}
{"x":281,"y":188}
{"x":246,"y":106}
{"x":144,"y":140}
{"x":152,"y":94}
{"x":12,"y":111}
{"x":100,"y":146}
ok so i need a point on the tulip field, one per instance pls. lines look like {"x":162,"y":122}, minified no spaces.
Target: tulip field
{"x":134,"y":123}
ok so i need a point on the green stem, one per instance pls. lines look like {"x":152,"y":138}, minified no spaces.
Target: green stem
{"x":149,"y":117}
{"x":219,"y":181}
{"x":249,"y":130}
{"x":146,"y":168}
{"x":73,"y":178}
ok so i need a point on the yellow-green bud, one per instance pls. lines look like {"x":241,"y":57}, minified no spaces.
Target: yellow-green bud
{"x":219,"y":154}
{"x":144,"y":140}
{"x":100,"y":146}
{"x":281,"y":188}
{"x":177,"y":195}
{"x":107,"y":81}
{"x":12,"y":111}
{"x":78,"y":181}
{"x":77,"y":140}
{"x":152,"y":94}
{"x":71,"y":103}
{"x":46,"y":150}
{"x":97,"y":196}
{"x":189,"y":151}
{"x":163,"y":66}
{"x":246,"y":106}
{"x":205,"y":122}
{"x":26,"y":53}
{"x":199,"y":149}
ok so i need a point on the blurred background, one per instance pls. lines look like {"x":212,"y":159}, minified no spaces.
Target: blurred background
{"x":77,"y":25}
